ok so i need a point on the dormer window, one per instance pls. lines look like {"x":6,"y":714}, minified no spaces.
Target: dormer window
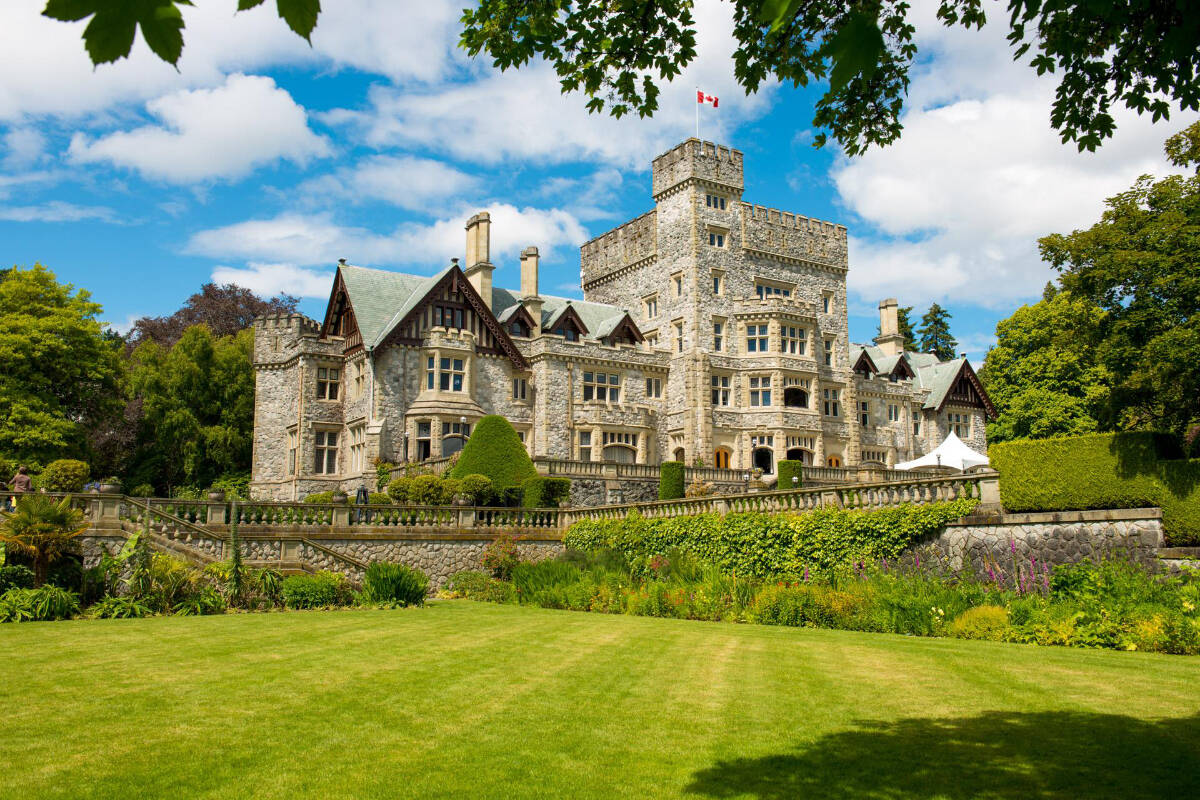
{"x":518,"y":328}
{"x":445,"y":316}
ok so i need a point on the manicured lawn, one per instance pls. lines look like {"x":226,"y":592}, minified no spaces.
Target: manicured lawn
{"x":478,"y":700}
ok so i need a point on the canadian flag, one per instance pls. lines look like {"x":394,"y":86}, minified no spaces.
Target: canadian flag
{"x":703,"y":98}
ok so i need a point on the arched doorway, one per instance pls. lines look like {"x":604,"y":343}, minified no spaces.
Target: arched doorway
{"x":764,"y":459}
{"x":800,"y":454}
{"x":721,"y":458}
{"x":833,"y":461}
{"x":795,"y":397}
{"x":679,"y":454}
{"x":619,"y":454}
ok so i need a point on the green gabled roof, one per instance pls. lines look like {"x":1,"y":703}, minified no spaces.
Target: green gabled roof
{"x":936,"y":377}
{"x":599,"y":318}
{"x":381,"y":298}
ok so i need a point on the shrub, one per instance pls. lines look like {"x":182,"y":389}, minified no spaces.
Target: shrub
{"x":322,"y":498}
{"x":64,"y":475}
{"x":385,"y":582}
{"x":450,"y":489}
{"x":379,"y":499}
{"x":319,"y":590}
{"x":400,"y":489}
{"x":495,"y":450}
{"x":511,"y":496}
{"x":478,"y":586}
{"x":206,"y":601}
{"x":542,"y":492}
{"x":15,"y":576}
{"x":772,"y":544}
{"x":981,"y":622}
{"x":124,"y":607}
{"x":142,"y":490}
{"x":38,"y":605}
{"x":1121,"y":470}
{"x":236,"y":486}
{"x":501,"y":557}
{"x":787,"y":470}
{"x":670,"y":480}
{"x":531,"y":578}
{"x":478,"y":488}
{"x":426,"y":490}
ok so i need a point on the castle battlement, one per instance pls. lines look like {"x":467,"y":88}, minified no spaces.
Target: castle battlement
{"x":793,"y":236}
{"x":281,"y":321}
{"x":698,"y":160}
{"x":627,"y":244}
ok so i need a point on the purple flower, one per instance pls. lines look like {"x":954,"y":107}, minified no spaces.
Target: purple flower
{"x":1012,"y":545}
{"x":917,"y":559}
{"x":806,"y":574}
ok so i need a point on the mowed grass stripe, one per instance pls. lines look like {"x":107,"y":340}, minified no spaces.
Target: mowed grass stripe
{"x":481,"y":700}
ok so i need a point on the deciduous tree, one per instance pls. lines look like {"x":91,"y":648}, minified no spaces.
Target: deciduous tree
{"x":59,"y":373}
{"x":1143,"y":54}
{"x":225,"y":309}
{"x":1042,"y":374}
{"x":1141,"y":265}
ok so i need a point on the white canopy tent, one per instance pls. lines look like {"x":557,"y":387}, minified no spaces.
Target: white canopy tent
{"x":950,"y":453}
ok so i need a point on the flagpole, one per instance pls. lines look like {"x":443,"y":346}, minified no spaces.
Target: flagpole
{"x":697,"y":112}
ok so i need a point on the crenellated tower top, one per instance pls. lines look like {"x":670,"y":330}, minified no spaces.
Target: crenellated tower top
{"x":694,"y":160}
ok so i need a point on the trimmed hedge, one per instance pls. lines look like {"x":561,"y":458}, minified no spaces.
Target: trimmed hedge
{"x":786,"y":470}
{"x":495,"y":450}
{"x":546,"y":492}
{"x":771,"y":544}
{"x":1104,"y":470}
{"x":670,"y":480}
{"x":319,"y":590}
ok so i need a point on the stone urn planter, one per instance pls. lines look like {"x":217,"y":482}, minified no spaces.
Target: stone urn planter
{"x":463,"y":500}
{"x":340,"y":497}
{"x":216,"y":495}
{"x":110,"y":487}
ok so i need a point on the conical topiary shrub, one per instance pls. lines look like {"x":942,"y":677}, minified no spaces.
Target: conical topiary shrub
{"x":495,"y":450}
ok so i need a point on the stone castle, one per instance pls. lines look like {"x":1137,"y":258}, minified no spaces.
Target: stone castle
{"x":712,"y":331}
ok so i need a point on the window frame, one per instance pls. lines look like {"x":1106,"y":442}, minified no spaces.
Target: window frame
{"x":328,"y":383}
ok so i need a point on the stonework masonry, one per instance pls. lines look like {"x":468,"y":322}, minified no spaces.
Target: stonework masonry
{"x":712,"y":331}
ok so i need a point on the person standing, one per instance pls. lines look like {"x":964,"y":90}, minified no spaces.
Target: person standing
{"x":21,"y":482}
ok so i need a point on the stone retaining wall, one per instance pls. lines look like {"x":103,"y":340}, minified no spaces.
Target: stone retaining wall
{"x":1052,"y":538}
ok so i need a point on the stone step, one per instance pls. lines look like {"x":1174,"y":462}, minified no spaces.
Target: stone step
{"x":1179,"y":553}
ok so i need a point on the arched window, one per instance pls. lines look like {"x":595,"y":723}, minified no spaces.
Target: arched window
{"x":795,"y":397}
{"x":721,"y":458}
{"x":800,"y":454}
{"x":764,"y":459}
{"x":620,"y":454}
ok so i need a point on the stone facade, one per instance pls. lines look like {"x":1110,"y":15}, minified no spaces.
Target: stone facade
{"x":1055,"y":538}
{"x":720,"y":326}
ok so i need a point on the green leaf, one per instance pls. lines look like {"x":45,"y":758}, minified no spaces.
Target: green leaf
{"x":109,"y":36}
{"x":70,"y":10}
{"x":163,"y":31}
{"x":777,"y":12}
{"x":856,"y":49}
{"x":300,"y":15}
{"x":244,"y":5}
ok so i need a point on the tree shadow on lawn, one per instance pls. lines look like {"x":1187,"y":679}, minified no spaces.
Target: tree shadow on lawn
{"x":999,"y":755}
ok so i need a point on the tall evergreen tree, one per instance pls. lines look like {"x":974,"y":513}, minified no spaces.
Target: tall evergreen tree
{"x":905,"y":328}
{"x":935,"y":333}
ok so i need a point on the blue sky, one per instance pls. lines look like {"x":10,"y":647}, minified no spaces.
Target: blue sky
{"x":262,"y":160}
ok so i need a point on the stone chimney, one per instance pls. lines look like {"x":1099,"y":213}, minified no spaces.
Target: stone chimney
{"x":529,"y":287}
{"x":479,"y":247}
{"x":890,"y":341}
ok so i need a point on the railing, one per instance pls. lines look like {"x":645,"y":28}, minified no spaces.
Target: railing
{"x":877,"y":495}
{"x":208,"y":520}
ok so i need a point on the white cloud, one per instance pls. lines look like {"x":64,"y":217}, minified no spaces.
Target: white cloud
{"x":27,"y":180}
{"x":45,"y":70}
{"x":56,"y":211}
{"x":210,"y":133}
{"x":522,"y":114}
{"x":307,"y":240}
{"x":268,"y":280}
{"x":417,"y":184}
{"x":954,"y":208}
{"x":23,"y":147}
